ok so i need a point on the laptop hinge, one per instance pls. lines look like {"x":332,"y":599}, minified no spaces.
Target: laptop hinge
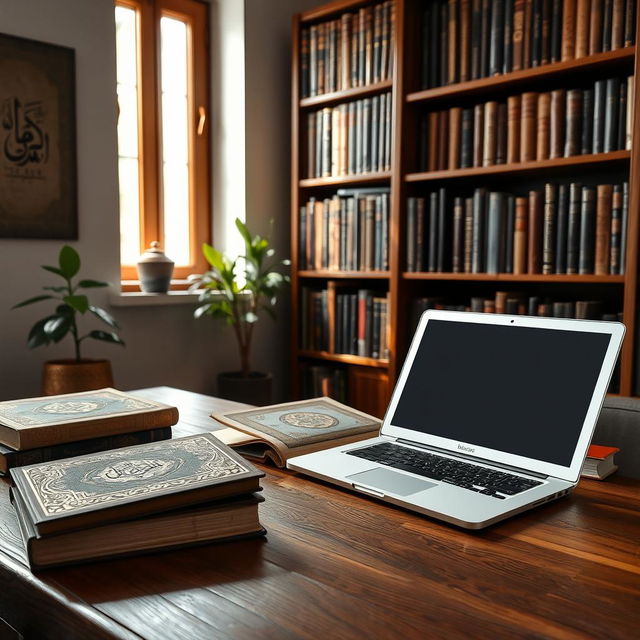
{"x":455,"y":454}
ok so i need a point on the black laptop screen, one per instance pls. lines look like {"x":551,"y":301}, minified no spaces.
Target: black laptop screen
{"x":519,"y":390}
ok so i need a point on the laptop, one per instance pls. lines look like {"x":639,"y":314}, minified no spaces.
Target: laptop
{"x":491,"y":415}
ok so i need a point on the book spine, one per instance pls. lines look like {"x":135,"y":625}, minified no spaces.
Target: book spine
{"x":443,"y":232}
{"x":466,"y":139}
{"x":558,"y":117}
{"x":573,"y":227}
{"x":534,"y":264}
{"x":495,"y":233}
{"x":615,"y":258}
{"x":599,"y":103}
{"x":536,"y":33}
{"x":544,"y":125}
{"x":468,"y":234}
{"x":419,"y":239}
{"x":556,"y":30}
{"x":545,"y":40}
{"x":630,"y":9}
{"x":432,"y":256}
{"x":455,"y":136}
{"x":478,"y":134}
{"x":622,"y":116}
{"x":501,"y":134}
{"x":509,"y":231}
{"x":612,"y":100}
{"x":434,"y":130}
{"x":477,"y":254}
{"x":587,"y":120}
{"x":528,"y":127}
{"x":444,"y":45}
{"x":490,"y":137}
{"x":513,"y":129}
{"x":630,"y":112}
{"x":465,"y":40}
{"x":434,"y":47}
{"x":583,"y":13}
{"x":452,"y":38}
{"x":568,"y":29}
{"x":443,"y":139}
{"x":518,"y":34}
{"x":507,"y":40}
{"x":562,"y":217}
{"x":527,"y":34}
{"x":573,"y":140}
{"x":485,"y":28}
{"x":587,"y":231}
{"x":458,"y":235}
{"x":607,"y":18}
{"x":623,"y":229}
{"x":603,"y":228}
{"x":595,"y":27}
{"x":549,"y":229}
{"x":496,"y":45}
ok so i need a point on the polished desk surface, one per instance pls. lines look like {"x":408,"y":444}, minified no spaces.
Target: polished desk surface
{"x":337,"y":565}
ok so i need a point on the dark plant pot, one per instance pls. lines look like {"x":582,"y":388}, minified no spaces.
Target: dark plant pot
{"x":69,"y":376}
{"x":256,"y":389}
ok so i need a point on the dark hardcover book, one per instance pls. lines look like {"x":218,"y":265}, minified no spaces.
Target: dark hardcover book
{"x":490,"y":138}
{"x":545,"y":35}
{"x":325,"y":142}
{"x":458,"y":235}
{"x":411,"y":234}
{"x":444,"y":45}
{"x":452,"y":41}
{"x":376,"y":161}
{"x":496,"y":45}
{"x":468,"y":234}
{"x":587,"y":231}
{"x":485,"y":28}
{"x":322,"y":55}
{"x":496,"y":223}
{"x":478,"y":134}
{"x":573,"y":227}
{"x":426,"y":82}
{"x":507,"y":37}
{"x":573,"y":141}
{"x":528,"y":127}
{"x":387,"y":133}
{"x":599,"y":107}
{"x":520,"y":236}
{"x":443,"y":140}
{"x":518,"y":35}
{"x":615,"y":258}
{"x":10,"y":458}
{"x":100,"y":488}
{"x":375,"y":328}
{"x":338,"y":323}
{"x":612,"y":105}
{"x":527,"y":33}
{"x":501,"y":134}
{"x":558,"y":120}
{"x":476,"y":37}
{"x":622,"y":116}
{"x":623,"y":229}
{"x":595,"y":27}
{"x":556,"y":30}
{"x":313,"y":60}
{"x":607,"y":17}
{"x":587,"y":120}
{"x":534,"y":263}
{"x":419,"y":237}
{"x":443,"y":263}
{"x":536,"y":32}
{"x":478,"y":260}
{"x":434,"y":47}
{"x":466,"y":139}
{"x":465,"y":41}
{"x":568,"y":29}
{"x":630,"y":9}
{"x":366,"y":135}
{"x":604,"y":199}
{"x":385,"y":232}
{"x":432,"y":256}
{"x":377,"y":43}
{"x":549,"y":229}
{"x":455,"y":137}
{"x":509,"y":230}
{"x":562,"y":217}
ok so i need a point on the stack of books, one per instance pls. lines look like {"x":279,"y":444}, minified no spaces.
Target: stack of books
{"x":137,"y":499}
{"x":35,"y":430}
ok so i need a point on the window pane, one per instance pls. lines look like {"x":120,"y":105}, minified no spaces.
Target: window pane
{"x":175,"y":139}
{"x":129,"y":211}
{"x":128,"y":149}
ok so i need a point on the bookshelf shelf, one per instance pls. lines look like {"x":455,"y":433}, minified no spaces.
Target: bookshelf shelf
{"x":345,"y":358}
{"x":516,"y":79}
{"x":328,"y":99}
{"x":355,"y":180}
{"x":512,"y":277}
{"x":344,"y":275}
{"x":542,"y":167}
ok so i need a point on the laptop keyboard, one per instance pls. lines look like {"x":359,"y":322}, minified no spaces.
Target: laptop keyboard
{"x":497,"y":484}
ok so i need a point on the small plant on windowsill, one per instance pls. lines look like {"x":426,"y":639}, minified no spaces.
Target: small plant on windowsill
{"x":237,"y":291}
{"x":76,"y":374}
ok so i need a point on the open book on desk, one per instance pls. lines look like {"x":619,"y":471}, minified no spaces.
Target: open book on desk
{"x":280,"y":431}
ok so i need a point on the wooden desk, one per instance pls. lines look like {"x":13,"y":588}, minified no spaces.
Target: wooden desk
{"x":335,"y":565}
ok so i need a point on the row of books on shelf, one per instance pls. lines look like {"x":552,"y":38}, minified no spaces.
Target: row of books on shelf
{"x":352,"y":51}
{"x":563,"y":229}
{"x":531,"y":126}
{"x":469,"y":39}
{"x":349,"y":231}
{"x":356,"y":325}
{"x":349,"y":138}
{"x":324,"y":380}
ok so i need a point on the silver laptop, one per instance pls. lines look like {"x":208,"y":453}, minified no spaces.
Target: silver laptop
{"x":491,"y":415}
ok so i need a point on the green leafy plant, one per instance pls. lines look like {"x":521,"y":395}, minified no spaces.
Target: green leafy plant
{"x":72,"y":302}
{"x":238,"y":290}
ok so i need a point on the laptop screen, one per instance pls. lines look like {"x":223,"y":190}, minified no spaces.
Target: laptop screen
{"x":520,"y":390}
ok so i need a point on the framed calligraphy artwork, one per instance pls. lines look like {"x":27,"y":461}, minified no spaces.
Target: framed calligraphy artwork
{"x":38,"y":190}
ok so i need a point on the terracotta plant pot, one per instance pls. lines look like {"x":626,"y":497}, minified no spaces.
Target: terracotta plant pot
{"x":68,"y":376}
{"x":256,"y":389}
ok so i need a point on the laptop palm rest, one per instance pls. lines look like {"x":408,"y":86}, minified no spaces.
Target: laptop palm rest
{"x":389,"y":482}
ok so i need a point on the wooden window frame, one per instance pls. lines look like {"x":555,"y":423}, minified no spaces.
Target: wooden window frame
{"x":196,"y":15}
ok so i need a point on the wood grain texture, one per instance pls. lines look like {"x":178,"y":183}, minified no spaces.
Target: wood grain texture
{"x":336,"y":565}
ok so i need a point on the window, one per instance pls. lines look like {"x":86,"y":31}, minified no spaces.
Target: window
{"x":163,"y":132}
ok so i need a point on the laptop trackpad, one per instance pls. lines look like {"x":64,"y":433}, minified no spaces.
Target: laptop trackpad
{"x":390,"y":481}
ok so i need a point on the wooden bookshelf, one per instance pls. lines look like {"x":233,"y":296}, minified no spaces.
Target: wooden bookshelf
{"x":371,"y":380}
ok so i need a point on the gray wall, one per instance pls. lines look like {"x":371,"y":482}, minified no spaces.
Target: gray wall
{"x":164,"y":344}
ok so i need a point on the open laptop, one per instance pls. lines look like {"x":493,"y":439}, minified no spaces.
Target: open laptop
{"x":491,"y":415}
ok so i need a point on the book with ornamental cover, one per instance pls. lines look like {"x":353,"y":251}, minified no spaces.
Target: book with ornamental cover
{"x":51,"y":420}
{"x":110,"y":486}
{"x":280,"y":431}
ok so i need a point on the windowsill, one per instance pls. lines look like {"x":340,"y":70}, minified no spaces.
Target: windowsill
{"x":131,"y":296}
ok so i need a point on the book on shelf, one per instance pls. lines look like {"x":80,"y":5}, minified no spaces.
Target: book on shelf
{"x":229,"y":519}
{"x":324,"y":380}
{"x":31,"y":423}
{"x":349,"y":139}
{"x":528,"y":127}
{"x":281,"y":431}
{"x":10,"y":458}
{"x":352,"y":50}
{"x":560,"y":229}
{"x":124,"y":484}
{"x":599,"y":462}
{"x":465,"y":40}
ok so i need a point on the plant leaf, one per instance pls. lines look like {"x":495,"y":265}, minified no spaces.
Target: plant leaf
{"x":79,"y":303}
{"x":105,"y":336}
{"x":24,"y":303}
{"x":244,"y":231}
{"x":105,"y":316}
{"x":57,"y":289}
{"x":57,"y":327}
{"x":37,"y":335}
{"x":88,"y":284}
{"x":55,"y":270}
{"x":69,"y":261}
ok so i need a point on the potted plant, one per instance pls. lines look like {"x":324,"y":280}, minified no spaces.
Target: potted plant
{"x":237,"y":291}
{"x":78,"y":373}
